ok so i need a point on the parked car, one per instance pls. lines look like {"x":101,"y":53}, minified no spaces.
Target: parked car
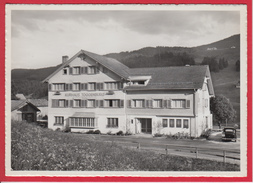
{"x":229,"y":134}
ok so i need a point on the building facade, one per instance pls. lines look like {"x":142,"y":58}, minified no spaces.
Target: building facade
{"x":90,"y":92}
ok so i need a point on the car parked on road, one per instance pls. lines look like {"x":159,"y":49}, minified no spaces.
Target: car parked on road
{"x":229,"y":134}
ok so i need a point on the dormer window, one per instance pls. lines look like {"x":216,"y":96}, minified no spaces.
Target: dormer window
{"x":138,"y":82}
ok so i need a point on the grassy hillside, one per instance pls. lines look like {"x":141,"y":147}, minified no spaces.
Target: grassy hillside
{"x":36,"y":148}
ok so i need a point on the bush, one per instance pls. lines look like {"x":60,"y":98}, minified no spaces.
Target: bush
{"x":158,"y":135}
{"x":97,"y":132}
{"x":90,"y":132}
{"x":128,"y":133}
{"x":120,"y":133}
{"x":109,"y":133}
{"x":66,"y":129}
{"x":206,"y":133}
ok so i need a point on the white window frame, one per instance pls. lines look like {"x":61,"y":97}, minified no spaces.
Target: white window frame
{"x":61,"y":103}
{"x":76,"y":70}
{"x":112,"y":123}
{"x":91,"y":86}
{"x":91,"y":103}
{"x":58,"y":87}
{"x":112,"y":103}
{"x":59,"y":120}
{"x":92,"y":70}
{"x":137,"y":103}
{"x":77,"y":103}
{"x":157,"y":103}
{"x":76,"y":87}
{"x":111,"y":86}
{"x":83,"y":122}
{"x":178,"y":103}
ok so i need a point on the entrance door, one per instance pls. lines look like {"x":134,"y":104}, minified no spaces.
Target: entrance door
{"x":146,"y":125}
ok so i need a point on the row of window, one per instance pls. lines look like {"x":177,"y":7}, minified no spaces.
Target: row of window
{"x":92,"y":103}
{"x":117,"y":103}
{"x":176,"y":123}
{"x":82,"y":70}
{"x":86,"y":122}
{"x":159,"y":103}
{"x":85,"y":86}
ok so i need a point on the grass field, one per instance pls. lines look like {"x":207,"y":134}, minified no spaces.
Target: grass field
{"x":36,"y":148}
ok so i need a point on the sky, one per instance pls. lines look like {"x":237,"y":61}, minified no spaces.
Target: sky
{"x":40,"y":38}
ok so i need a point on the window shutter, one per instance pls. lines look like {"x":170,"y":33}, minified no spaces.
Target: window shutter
{"x":169,"y":103}
{"x":70,"y":103}
{"x":101,"y":86}
{"x":98,"y":86}
{"x":66,"y":103}
{"x":96,"y":103}
{"x":85,"y":103}
{"x":70,"y":87}
{"x":66,"y":87}
{"x":147,"y":103}
{"x":85,"y":86}
{"x":96,"y":70}
{"x":121,"y":103}
{"x":95,"y":86}
{"x":150,"y":103}
{"x":54,"y":103}
{"x":129,"y":103}
{"x":85,"y":70}
{"x":164,"y":103}
{"x":70,"y":70}
{"x":144,"y":104}
{"x":101,"y":103}
{"x":50,"y":87}
{"x":188,"y":103}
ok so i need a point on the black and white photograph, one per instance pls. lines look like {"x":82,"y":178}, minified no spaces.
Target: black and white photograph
{"x":133,"y":90}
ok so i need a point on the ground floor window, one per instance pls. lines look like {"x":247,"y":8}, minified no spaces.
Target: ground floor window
{"x":172,"y":123}
{"x":165,"y":123}
{"x":186,"y":123}
{"x":82,"y":122}
{"x":112,"y":123}
{"x":59,"y":120}
{"x":178,"y":123}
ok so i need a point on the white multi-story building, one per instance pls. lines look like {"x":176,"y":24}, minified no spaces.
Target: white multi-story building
{"x":90,"y":92}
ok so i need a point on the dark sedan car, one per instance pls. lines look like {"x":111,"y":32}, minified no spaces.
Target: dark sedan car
{"x":229,"y":134}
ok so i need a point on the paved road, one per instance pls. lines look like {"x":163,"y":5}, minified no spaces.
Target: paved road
{"x":183,"y":147}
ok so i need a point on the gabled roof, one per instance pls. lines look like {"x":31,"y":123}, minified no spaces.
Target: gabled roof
{"x":180,"y":77}
{"x":110,"y":63}
{"x":176,"y":77}
{"x":38,"y":102}
{"x":17,"y":104}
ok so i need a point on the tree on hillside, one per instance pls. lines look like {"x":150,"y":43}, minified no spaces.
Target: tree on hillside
{"x":222,"y":109}
{"x":212,"y":62}
{"x":237,"y":65}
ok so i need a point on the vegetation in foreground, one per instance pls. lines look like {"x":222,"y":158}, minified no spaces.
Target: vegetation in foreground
{"x":36,"y":148}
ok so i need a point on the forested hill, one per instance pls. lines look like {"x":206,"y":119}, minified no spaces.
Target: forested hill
{"x":228,"y":48}
{"x":28,"y":81}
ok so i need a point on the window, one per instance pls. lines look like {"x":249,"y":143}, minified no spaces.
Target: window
{"x":157,"y":103}
{"x":112,"y":123}
{"x":91,"y":86}
{"x":91,"y":70}
{"x":82,"y":122}
{"x":165,"y":123}
{"x":76,"y":86}
{"x":112,"y":103}
{"x":179,"y":123}
{"x":65,"y":71}
{"x":76,"y":70}
{"x":206,"y":103}
{"x":179,"y":103}
{"x":138,"y":82}
{"x":61,"y":103}
{"x":59,"y":120}
{"x":186,"y":123}
{"x":138,"y":103}
{"x":58,"y":87}
{"x":77,"y":103}
{"x":172,"y":123}
{"x":90,"y":103}
{"x":111,"y":85}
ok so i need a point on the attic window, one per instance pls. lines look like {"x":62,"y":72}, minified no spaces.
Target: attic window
{"x":141,"y":82}
{"x":65,"y":71}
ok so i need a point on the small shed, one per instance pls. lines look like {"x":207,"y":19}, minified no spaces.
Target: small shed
{"x":22,"y":110}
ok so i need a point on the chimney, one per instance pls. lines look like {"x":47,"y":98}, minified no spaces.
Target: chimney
{"x":65,"y":58}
